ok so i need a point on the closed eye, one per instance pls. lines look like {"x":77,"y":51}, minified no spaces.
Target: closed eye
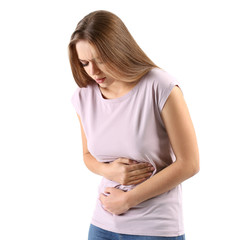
{"x":84,"y":64}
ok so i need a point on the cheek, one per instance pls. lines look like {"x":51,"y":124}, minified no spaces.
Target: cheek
{"x":87,"y":70}
{"x":103,"y":67}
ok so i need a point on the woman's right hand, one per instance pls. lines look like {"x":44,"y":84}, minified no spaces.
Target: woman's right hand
{"x":128,"y":172}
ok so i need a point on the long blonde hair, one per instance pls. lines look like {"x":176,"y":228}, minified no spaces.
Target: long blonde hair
{"x":114,"y":44}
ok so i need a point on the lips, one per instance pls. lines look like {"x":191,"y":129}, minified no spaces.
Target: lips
{"x":100,"y":80}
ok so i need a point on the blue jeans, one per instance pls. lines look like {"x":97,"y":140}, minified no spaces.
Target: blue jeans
{"x":96,"y":233}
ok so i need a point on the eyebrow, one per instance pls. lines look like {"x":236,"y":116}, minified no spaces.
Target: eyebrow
{"x":89,"y":60}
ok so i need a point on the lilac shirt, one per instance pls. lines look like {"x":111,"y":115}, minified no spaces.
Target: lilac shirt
{"x":131,"y":127}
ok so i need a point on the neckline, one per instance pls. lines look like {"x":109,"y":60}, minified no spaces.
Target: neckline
{"x":119,"y":99}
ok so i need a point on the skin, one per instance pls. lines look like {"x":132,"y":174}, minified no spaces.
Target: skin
{"x":111,"y":88}
{"x":122,"y":170}
{"x":182,"y":137}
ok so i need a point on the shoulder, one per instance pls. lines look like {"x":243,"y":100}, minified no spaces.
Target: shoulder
{"x":84,"y":91}
{"x":82,"y":96}
{"x":160,"y":77}
{"x":160,"y":83}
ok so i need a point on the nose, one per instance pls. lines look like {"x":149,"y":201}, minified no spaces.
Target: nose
{"x":94,"y":69}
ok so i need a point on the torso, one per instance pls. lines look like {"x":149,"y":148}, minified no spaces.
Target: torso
{"x":130,"y":126}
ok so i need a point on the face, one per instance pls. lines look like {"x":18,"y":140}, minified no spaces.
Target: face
{"x":92,"y":64}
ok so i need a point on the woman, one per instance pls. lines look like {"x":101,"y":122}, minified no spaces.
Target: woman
{"x":136,"y":132}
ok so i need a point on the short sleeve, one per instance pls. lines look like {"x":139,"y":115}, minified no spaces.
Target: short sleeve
{"x":165,"y":85}
{"x":75,"y":100}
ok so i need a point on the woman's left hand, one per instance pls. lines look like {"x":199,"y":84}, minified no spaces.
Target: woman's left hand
{"x":115,"y":201}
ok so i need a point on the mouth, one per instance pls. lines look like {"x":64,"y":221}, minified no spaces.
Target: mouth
{"x":100,"y":80}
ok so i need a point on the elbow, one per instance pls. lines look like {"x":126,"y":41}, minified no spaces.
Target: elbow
{"x":195,"y":167}
{"x":190,"y":166}
{"x":195,"y":170}
{"x":194,"y":163}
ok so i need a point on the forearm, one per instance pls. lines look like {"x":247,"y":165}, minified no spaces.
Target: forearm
{"x":95,"y":166}
{"x":161,"y":182}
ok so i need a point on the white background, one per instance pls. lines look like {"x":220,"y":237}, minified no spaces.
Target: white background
{"x":46,"y":190}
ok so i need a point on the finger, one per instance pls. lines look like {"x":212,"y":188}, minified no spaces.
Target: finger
{"x":126,"y":161}
{"x":102,"y":198}
{"x":140,"y":166}
{"x":137,"y":170}
{"x":109,"y":190}
{"x":137,"y":181}
{"x":140,"y":176}
{"x":141,"y":172}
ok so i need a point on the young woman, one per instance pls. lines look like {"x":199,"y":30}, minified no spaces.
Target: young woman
{"x":136,"y":132}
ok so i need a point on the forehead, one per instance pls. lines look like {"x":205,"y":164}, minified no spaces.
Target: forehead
{"x":85,"y":50}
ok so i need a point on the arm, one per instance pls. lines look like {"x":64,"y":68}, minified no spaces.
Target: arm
{"x":182,"y":136}
{"x":122,"y":170}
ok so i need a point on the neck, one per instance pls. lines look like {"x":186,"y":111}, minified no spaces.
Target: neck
{"x":117,"y":89}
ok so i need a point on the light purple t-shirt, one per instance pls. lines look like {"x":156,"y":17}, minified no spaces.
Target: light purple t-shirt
{"x":131,"y":127}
